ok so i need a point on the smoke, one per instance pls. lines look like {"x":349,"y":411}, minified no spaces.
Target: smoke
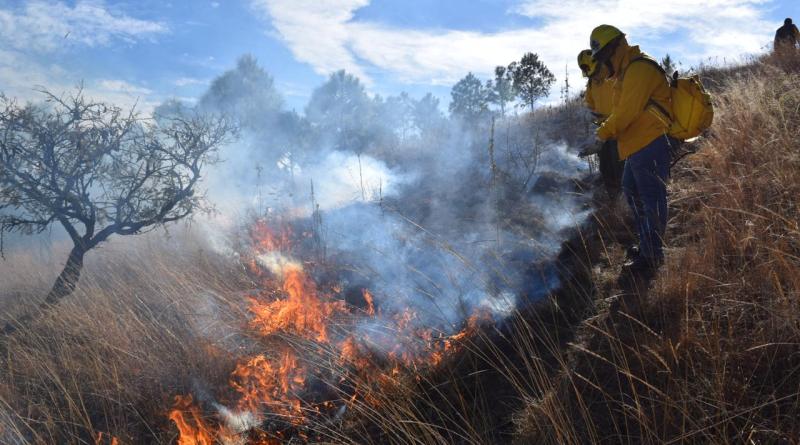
{"x":346,"y":178}
{"x":237,"y":422}
{"x":436,"y":216}
{"x":277,"y":263}
{"x":440,"y":219}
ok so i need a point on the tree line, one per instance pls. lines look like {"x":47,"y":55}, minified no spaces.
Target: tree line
{"x":527,"y":80}
{"x":98,"y":170}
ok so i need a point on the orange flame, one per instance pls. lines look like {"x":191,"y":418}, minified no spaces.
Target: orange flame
{"x":101,"y":439}
{"x":261,"y":385}
{"x":292,"y":303}
{"x":265,"y":239}
{"x":303,"y":313}
{"x":370,"y":302}
{"x":192,"y":430}
{"x":352,"y":355}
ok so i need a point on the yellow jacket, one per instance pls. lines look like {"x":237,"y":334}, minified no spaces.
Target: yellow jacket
{"x":634,"y":121}
{"x":599,"y":96}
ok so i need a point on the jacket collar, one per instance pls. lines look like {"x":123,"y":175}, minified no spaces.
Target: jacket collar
{"x":601,"y":75}
{"x":622,"y":58}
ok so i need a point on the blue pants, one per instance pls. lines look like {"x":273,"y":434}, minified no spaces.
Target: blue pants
{"x":644,"y":182}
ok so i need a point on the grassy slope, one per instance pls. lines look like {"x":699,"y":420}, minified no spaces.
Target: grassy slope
{"x":711,"y":352}
{"x":147,"y":322}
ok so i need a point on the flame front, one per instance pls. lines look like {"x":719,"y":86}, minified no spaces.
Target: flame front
{"x":291,"y":305}
{"x":302,"y":313}
{"x":192,"y":428}
{"x":263,"y":386}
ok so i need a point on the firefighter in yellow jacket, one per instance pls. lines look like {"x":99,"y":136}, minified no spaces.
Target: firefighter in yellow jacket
{"x":639,"y":121}
{"x":599,"y":91}
{"x":598,"y":98}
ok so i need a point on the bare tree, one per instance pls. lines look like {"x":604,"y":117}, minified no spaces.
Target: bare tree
{"x":98,"y":170}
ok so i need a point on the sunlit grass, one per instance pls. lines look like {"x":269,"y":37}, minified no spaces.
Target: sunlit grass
{"x":710,"y":354}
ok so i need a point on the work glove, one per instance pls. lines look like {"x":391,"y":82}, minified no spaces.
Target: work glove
{"x":598,"y":119}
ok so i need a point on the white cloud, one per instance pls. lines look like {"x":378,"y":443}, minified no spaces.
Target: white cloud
{"x":57,"y":81}
{"x":705,"y":26}
{"x":121,"y":86}
{"x":31,"y":34}
{"x":48,"y":26}
{"x":20,"y":74}
{"x":121,"y":93}
{"x":325,"y":35}
{"x":188,"y":81}
{"x":317,"y":31}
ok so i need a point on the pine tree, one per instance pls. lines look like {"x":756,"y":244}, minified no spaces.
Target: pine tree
{"x":502,"y":88}
{"x":532,"y":79}
{"x":668,"y":64}
{"x":470,"y":99}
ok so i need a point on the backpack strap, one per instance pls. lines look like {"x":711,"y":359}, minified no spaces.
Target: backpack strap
{"x":673,"y":79}
{"x":650,"y":60}
{"x":653,"y":62}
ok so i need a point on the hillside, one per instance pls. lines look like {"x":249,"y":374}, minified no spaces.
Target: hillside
{"x":708,"y":353}
{"x":168,"y":340}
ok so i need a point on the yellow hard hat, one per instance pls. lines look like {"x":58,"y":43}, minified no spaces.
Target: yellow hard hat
{"x":587,"y":63}
{"x":602,"y":36}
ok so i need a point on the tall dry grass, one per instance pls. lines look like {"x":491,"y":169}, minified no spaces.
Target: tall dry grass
{"x":711,"y":352}
{"x":149,"y":318}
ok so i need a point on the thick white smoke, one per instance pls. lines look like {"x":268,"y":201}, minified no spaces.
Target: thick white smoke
{"x":413,"y":206}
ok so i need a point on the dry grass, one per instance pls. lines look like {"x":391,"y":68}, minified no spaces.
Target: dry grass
{"x":711,"y":353}
{"x":144,"y":323}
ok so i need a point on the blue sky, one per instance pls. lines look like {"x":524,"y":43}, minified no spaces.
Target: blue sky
{"x":146,"y":51}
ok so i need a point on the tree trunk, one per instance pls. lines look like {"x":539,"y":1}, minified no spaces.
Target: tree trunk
{"x":68,"y":279}
{"x":64,"y":285}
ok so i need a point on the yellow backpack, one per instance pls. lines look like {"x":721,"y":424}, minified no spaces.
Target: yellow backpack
{"x":692,"y":105}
